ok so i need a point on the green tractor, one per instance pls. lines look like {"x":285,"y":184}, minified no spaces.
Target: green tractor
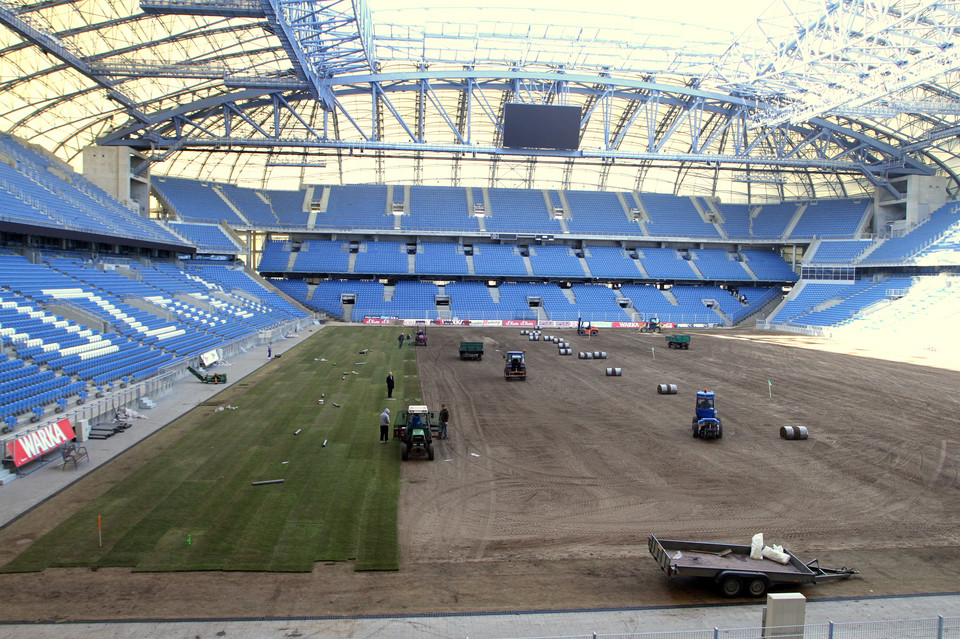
{"x":416,"y":428}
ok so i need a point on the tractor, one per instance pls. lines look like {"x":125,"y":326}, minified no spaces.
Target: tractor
{"x":416,"y":428}
{"x":421,"y":338}
{"x":652,"y":325}
{"x":586,"y":328}
{"x":515,"y":367}
{"x":706,"y":423}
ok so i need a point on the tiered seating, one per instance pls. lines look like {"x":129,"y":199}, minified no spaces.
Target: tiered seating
{"x":439,"y":208}
{"x":321,"y":256}
{"x":471,"y":300}
{"x":275,"y":256}
{"x":839,"y":251}
{"x":944,"y":250}
{"x":899,"y":250}
{"x":288,"y":207}
{"x":773,"y":219}
{"x":498,"y":260}
{"x":382,"y":258}
{"x":854,"y":298}
{"x":674,"y":216}
{"x":45,"y":192}
{"x":195,"y":201}
{"x":598,"y":213}
{"x":361,"y":206}
{"x":812,"y":294}
{"x":736,"y":218}
{"x":649,"y":301}
{"x":555,"y":261}
{"x":251,"y":205}
{"x":719,"y":264}
{"x":769,"y":266}
{"x":272,"y":310}
{"x":830,"y":219}
{"x":326,"y":296}
{"x":519,"y":211}
{"x":208,"y":238}
{"x":441,"y":258}
{"x":596,"y":303}
{"x":514,"y":302}
{"x":370,"y":300}
{"x":610,"y":261}
{"x":666,"y":264}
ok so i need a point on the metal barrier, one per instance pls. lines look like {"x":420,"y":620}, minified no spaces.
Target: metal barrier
{"x":93,"y":409}
{"x":929,"y":628}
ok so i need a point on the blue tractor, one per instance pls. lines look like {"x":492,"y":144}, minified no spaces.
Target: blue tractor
{"x":706,"y":424}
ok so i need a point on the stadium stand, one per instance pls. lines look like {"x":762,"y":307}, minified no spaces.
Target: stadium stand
{"x":208,"y":238}
{"x":195,"y":201}
{"x":835,"y":219}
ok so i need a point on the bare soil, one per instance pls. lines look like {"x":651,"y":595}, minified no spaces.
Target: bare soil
{"x":547,"y":490}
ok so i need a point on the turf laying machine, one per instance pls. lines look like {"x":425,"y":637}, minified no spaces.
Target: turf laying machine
{"x":515,"y":367}
{"x":416,"y":428}
{"x":216,"y":378}
{"x":706,"y":423}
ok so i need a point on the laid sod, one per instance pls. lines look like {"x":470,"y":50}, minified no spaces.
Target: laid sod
{"x":192,"y":506}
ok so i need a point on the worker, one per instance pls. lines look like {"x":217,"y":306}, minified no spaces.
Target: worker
{"x":384,"y":425}
{"x":390,"y":385}
{"x":444,"y":417}
{"x":269,"y":351}
{"x":400,"y":339}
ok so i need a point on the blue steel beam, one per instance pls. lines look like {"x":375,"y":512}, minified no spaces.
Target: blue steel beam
{"x":53,"y":45}
{"x":829,"y":143}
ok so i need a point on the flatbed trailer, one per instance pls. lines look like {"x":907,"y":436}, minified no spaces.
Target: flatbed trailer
{"x":732,"y":569}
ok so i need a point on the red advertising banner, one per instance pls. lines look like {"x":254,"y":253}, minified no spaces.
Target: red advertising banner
{"x":32,"y":445}
{"x":519,"y":322}
{"x":379,"y":321}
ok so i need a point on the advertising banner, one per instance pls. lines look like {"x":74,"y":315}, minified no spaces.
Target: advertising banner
{"x":32,"y":445}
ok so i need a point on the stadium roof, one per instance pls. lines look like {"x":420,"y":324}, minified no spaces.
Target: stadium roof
{"x":808,"y":99}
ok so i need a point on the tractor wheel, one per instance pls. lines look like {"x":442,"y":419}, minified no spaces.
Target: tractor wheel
{"x":430,"y":452}
{"x":757,"y":587}
{"x":731,"y":586}
{"x":404,"y":451}
{"x":694,"y":425}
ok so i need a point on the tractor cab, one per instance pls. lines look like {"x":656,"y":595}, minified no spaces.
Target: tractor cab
{"x":515,"y":367}
{"x":416,"y":428}
{"x":706,"y":404}
{"x":706,"y":423}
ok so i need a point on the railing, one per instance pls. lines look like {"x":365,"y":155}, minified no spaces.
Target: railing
{"x":92,"y":410}
{"x":926,"y":628}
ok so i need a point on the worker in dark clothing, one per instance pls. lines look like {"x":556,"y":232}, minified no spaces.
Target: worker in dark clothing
{"x":444,"y":418}
{"x":390,"y":385}
{"x":400,"y":339}
{"x":384,"y":426}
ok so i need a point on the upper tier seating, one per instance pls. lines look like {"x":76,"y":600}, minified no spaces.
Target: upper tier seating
{"x":599,"y":213}
{"x":37,"y":190}
{"x":674,"y":216}
{"x":830,"y":219}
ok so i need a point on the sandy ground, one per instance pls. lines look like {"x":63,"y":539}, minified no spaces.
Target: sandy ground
{"x":547,"y":490}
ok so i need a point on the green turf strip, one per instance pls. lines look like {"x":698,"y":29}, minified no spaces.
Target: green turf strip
{"x":337,"y":502}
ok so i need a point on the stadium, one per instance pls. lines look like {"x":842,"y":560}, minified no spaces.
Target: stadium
{"x":218,"y":215}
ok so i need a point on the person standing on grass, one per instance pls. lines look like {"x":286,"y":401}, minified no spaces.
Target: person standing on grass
{"x":444,"y":417}
{"x":400,"y":339}
{"x":390,"y":385}
{"x":384,"y":426}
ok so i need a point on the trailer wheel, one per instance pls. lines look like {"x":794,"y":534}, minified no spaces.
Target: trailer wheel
{"x":731,"y":586}
{"x":757,"y":587}
{"x":404,"y":451}
{"x":480,"y":357}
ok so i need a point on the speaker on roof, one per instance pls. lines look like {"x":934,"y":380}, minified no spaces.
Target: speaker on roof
{"x":541,"y":126}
